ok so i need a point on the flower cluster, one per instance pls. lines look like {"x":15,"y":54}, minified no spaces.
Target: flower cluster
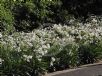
{"x":42,"y":39}
{"x":1,"y":60}
{"x":40,"y":42}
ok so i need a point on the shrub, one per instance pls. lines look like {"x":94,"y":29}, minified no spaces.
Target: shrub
{"x":6,"y":19}
{"x":20,"y":63}
{"x":32,"y":14}
{"x":89,"y":53}
{"x":24,"y":17}
{"x":68,"y":57}
{"x":82,"y":8}
{"x":43,"y":50}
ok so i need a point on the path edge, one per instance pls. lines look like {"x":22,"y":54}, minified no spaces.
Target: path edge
{"x":74,"y":69}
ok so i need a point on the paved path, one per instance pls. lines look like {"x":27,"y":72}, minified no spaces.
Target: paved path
{"x":93,"y":70}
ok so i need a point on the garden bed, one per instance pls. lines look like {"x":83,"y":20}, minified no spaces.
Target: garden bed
{"x":48,"y":50}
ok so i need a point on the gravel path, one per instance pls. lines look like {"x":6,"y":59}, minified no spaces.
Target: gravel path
{"x":93,"y":70}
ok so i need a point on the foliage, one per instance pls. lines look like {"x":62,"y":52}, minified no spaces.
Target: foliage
{"x":67,"y":57}
{"x":49,"y":49}
{"x":32,"y":14}
{"x":83,"y":8}
{"x":89,"y":53}
{"x":6,"y":19}
{"x":20,"y":63}
{"x":43,"y":50}
{"x":24,"y":16}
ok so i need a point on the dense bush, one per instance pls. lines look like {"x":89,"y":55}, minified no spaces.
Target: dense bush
{"x":48,"y":49}
{"x":29,"y":15}
{"x":23,"y":63}
{"x":6,"y":19}
{"x":83,"y":8}
{"x":32,"y":14}
{"x":25,"y":18}
{"x":89,"y":53}
{"x":67,"y":57}
{"x":43,"y":50}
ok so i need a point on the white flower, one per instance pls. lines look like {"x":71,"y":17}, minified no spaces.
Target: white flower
{"x":88,"y":24}
{"x":42,"y":53}
{"x":45,"y":51}
{"x":70,"y":53}
{"x":14,"y":0}
{"x":1,"y":60}
{"x":44,"y":46}
{"x":48,"y":45}
{"x":39,"y":59}
{"x":0,"y":35}
{"x":51,"y":63}
{"x":18,"y":49}
{"x":30,"y":44}
{"x":27,"y":57}
{"x":52,"y":59}
{"x":50,"y":0}
{"x":71,"y":21}
{"x":94,"y":20}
